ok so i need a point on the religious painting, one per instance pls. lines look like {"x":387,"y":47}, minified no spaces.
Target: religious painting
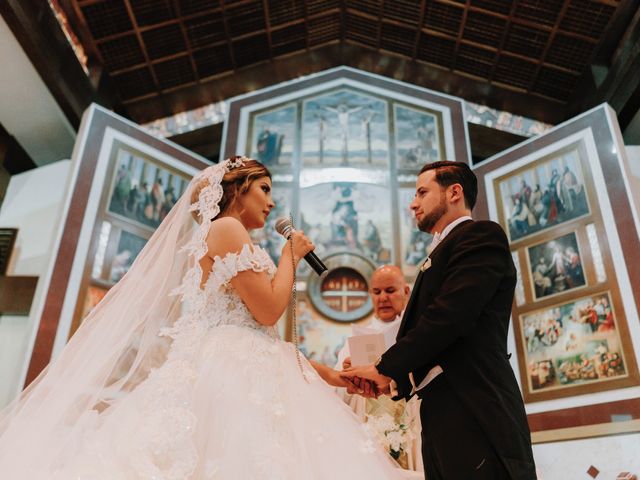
{"x":555,"y":266}
{"x":345,"y":128}
{"x":348,"y":216}
{"x":267,"y":237}
{"x":572,"y":344}
{"x":417,"y":137}
{"x":414,"y":243}
{"x":273,"y":136}
{"x":320,"y":339}
{"x":142,"y":192}
{"x":547,"y":193}
{"x":129,"y":246}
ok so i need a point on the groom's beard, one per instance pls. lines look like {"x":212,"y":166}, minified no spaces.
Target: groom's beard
{"x":430,"y":219}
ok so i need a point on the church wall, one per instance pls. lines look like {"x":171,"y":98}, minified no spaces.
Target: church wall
{"x":33,"y":204}
{"x":572,"y":459}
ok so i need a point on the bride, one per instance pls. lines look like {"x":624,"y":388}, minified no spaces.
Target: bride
{"x":179,"y":372}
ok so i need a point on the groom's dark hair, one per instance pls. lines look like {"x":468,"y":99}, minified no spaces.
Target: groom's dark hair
{"x":448,"y":173}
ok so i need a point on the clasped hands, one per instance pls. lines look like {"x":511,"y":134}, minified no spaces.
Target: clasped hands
{"x":364,"y":380}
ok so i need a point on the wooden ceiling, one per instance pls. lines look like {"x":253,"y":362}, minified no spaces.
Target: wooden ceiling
{"x":163,"y":56}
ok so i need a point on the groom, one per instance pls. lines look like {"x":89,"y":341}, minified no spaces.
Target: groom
{"x":451,"y":348}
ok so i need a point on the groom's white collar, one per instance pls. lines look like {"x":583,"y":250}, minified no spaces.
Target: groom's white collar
{"x":439,"y":237}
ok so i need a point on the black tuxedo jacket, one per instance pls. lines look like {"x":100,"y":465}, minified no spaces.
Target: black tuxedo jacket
{"x":458,"y":318}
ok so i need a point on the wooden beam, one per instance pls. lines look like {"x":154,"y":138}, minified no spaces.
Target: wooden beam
{"x":267,"y":26}
{"x":305,"y":10}
{"x":463,"y":22}
{"x":227,"y":35}
{"x":187,"y":43}
{"x":143,"y":47}
{"x":334,"y":55}
{"x":503,"y":38}
{"x":621,"y":84}
{"x":379,"y":27}
{"x":416,"y":40}
{"x":547,"y":47}
{"x":343,"y":20}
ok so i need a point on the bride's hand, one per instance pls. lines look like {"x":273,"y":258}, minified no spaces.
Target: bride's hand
{"x":334,"y":379}
{"x":301,"y":245}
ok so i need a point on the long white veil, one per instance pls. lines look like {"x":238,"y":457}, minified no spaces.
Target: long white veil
{"x":121,"y":341}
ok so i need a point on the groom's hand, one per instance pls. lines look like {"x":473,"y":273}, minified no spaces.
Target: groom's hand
{"x":370,"y":374}
{"x":360,"y":386}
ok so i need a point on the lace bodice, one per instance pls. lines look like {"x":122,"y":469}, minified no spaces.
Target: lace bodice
{"x":221,"y":304}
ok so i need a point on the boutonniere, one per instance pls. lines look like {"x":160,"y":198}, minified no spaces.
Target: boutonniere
{"x":425,"y":266}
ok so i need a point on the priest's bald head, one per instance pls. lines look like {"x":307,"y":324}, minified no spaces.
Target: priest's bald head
{"x":389,"y":292}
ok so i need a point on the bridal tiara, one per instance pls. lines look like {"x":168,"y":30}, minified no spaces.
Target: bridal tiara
{"x":211,"y":194}
{"x":235,"y":162}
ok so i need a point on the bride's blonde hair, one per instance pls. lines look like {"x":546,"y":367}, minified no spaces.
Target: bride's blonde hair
{"x":234,"y":183}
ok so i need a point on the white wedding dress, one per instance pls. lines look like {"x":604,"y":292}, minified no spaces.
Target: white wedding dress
{"x":230,"y":402}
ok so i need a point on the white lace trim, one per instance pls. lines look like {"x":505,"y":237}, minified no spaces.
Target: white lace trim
{"x":250,"y":257}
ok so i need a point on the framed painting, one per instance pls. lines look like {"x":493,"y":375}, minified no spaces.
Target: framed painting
{"x":128,"y":247}
{"x":349,"y":216}
{"x":345,"y":128}
{"x":544,"y":194}
{"x":142,"y":190}
{"x":555,"y":266}
{"x":115,"y":251}
{"x":418,"y":136}
{"x":576,"y":343}
{"x":273,"y":134}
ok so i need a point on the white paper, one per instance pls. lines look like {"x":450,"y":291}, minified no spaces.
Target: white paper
{"x":389,"y":332}
{"x":367,"y":348}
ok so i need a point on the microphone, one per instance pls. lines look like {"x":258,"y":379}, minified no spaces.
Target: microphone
{"x":284,"y":228}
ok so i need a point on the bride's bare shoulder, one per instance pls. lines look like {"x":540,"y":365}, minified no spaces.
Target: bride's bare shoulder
{"x":226,"y":234}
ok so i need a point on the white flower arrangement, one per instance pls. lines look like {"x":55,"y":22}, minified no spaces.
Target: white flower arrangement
{"x":393,"y":434}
